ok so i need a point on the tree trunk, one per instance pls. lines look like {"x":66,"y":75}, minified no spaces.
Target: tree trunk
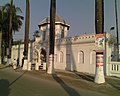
{"x":99,"y":26}
{"x":99,"y":16}
{"x":0,"y":47}
{"x":26,"y":38}
{"x":10,"y":34}
{"x":52,"y":37}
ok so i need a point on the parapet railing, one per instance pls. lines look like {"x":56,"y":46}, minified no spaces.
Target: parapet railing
{"x":77,"y":39}
{"x":114,"y":68}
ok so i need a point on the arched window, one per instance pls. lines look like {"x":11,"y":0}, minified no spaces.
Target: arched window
{"x":81,"y":57}
{"x":92,"y":57}
{"x":61,"y":57}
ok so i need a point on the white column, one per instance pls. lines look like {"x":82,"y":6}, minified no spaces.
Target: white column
{"x":29,"y":66}
{"x":108,"y":59}
{"x":14,"y":64}
{"x":25,"y":65}
{"x":44,"y":66}
{"x":37,"y":66}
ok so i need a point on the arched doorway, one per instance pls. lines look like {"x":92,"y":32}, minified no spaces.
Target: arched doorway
{"x":43,"y":56}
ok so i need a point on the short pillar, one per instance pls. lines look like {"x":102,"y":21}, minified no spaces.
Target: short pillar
{"x":36,"y":66}
{"x":14,"y":64}
{"x":25,"y":65}
{"x":44,"y":66}
{"x":99,"y":75}
{"x":29,"y":66}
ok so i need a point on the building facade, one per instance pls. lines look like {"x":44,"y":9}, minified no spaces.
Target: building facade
{"x":71,"y":53}
{"x":77,"y":53}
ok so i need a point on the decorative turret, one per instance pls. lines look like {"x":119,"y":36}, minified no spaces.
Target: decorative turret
{"x":37,"y":36}
{"x":61,"y":28}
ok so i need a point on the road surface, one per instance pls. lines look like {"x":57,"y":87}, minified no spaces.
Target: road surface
{"x":35,"y":83}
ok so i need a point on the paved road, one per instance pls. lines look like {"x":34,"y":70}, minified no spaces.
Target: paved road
{"x":35,"y":83}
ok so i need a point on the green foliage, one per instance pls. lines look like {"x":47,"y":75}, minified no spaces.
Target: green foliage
{"x":112,"y":40}
{"x":16,"y":22}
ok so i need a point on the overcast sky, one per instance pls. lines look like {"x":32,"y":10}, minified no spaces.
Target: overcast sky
{"x":79,"y":14}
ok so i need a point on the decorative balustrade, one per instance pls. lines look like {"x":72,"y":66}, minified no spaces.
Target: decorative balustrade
{"x":114,"y":69}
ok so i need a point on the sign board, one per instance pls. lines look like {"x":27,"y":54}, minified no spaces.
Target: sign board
{"x":100,"y":42}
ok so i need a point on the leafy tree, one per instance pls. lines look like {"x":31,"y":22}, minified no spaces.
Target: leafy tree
{"x":6,"y":11}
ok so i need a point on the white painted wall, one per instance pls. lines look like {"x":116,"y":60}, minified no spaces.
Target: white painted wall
{"x":84,"y":43}
{"x":16,"y":49}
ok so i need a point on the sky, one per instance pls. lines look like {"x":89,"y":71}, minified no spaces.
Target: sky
{"x":79,"y":14}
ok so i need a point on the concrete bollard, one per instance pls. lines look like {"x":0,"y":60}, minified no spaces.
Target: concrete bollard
{"x":37,"y":66}
{"x":29,"y":66}
{"x":14,"y":64}
{"x":25,"y":65}
{"x":44,"y":66}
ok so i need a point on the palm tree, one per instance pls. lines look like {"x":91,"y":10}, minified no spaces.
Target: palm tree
{"x":10,"y":22}
{"x":1,"y":22}
{"x":99,"y":26}
{"x":26,"y":38}
{"x":99,"y":16}
{"x":52,"y":36}
{"x":10,"y":32}
{"x":2,"y":15}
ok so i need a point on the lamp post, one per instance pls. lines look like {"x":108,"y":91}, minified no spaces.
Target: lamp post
{"x":117,"y":30}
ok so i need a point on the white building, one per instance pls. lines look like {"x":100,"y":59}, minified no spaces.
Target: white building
{"x":77,"y":53}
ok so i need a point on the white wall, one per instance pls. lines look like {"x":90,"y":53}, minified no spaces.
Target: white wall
{"x":17,"y":53}
{"x":86,"y":44}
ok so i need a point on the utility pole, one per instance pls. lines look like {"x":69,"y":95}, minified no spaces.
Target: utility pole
{"x":10,"y":34}
{"x":100,"y":39}
{"x":26,"y":38}
{"x":52,"y":37}
{"x":117,"y":30}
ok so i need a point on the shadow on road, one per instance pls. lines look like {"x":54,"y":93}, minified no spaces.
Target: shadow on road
{"x":114,"y":83}
{"x":4,"y":67}
{"x":68,"y":89}
{"x":17,"y":79}
{"x":85,"y":76}
{"x":4,"y":87}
